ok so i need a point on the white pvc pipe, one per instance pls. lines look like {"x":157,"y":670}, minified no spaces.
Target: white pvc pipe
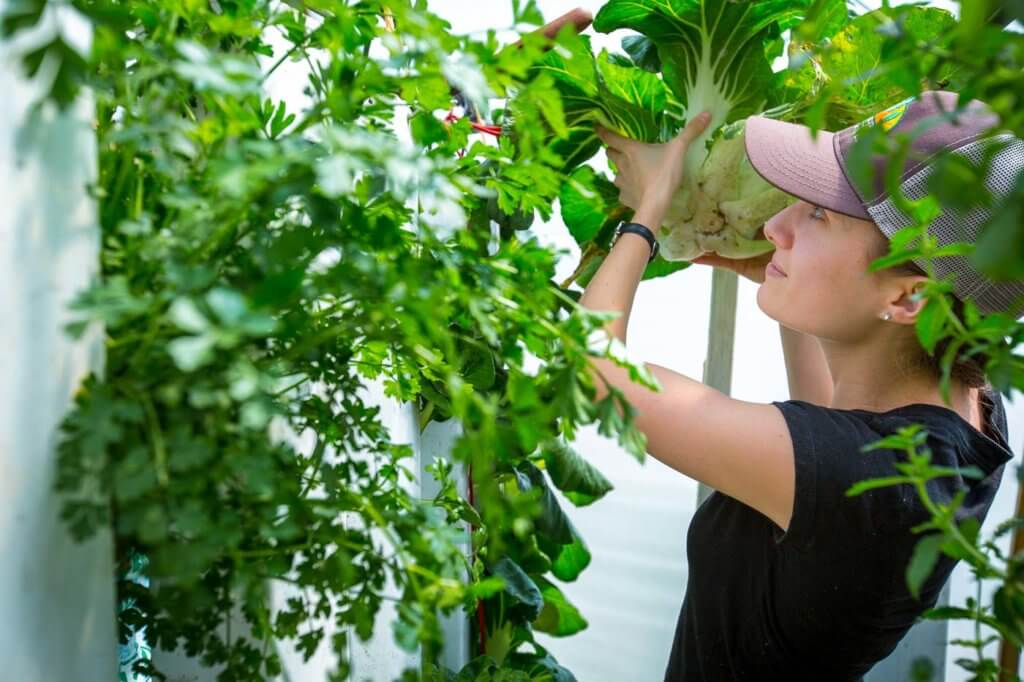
{"x":721,"y":337}
{"x":56,"y":596}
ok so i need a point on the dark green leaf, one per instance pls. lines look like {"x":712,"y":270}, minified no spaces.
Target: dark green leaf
{"x":519,"y":585}
{"x":580,"y":480}
{"x":926,"y":554}
{"x":559,"y":617}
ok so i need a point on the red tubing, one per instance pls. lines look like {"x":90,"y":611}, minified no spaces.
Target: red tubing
{"x":479,"y":604}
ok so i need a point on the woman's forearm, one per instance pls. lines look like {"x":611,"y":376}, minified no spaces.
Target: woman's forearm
{"x":613,"y":287}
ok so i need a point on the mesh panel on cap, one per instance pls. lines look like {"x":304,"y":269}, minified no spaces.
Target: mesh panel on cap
{"x":952,"y":226}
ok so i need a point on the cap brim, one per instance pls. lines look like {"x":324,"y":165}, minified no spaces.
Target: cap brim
{"x":786,"y":156}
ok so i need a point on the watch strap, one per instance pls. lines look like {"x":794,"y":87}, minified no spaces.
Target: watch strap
{"x":643,"y":231}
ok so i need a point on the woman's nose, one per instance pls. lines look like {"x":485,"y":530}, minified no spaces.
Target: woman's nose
{"x":775,"y":230}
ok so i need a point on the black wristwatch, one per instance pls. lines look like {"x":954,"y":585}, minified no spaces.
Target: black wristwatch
{"x":643,"y":231}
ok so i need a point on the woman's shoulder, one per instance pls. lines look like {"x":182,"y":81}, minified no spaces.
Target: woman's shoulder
{"x":948,"y":431}
{"x":987,"y":447}
{"x":831,"y":456}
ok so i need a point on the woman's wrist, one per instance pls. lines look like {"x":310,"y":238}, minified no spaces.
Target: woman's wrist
{"x":650,"y":214}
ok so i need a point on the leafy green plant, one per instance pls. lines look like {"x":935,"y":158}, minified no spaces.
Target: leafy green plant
{"x":261,"y":268}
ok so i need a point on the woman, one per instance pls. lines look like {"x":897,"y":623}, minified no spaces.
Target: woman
{"x":789,"y":578}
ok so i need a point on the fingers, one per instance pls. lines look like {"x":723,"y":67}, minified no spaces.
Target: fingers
{"x":612,"y":140}
{"x":695,"y":127}
{"x":579,"y":18}
{"x":710,"y":258}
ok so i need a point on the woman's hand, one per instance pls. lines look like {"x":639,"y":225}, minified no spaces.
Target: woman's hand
{"x":649,"y":174}
{"x":752,"y":268}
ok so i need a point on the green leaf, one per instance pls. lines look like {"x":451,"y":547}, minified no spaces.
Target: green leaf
{"x":135,"y":476}
{"x":851,"y":64}
{"x":211,"y":71}
{"x":875,"y":483}
{"x":522,"y":391}
{"x":926,"y":554}
{"x":558,"y":618}
{"x":153,"y":524}
{"x":906,"y":437}
{"x":191,"y":352}
{"x":184,"y":313}
{"x":279,"y":120}
{"x":627,"y":100}
{"x":948,"y":613}
{"x":617,"y":352}
{"x":580,"y":480}
{"x":930,"y":323}
{"x":544,"y":661}
{"x":519,"y":585}
{"x":426,"y":129}
{"x":550,"y":106}
{"x":824,"y":19}
{"x":660,"y":267}
{"x":632,"y":101}
{"x":587,"y":201}
{"x":712,"y":53}
{"x":479,"y":369}
{"x":571,"y":559}
{"x":111,"y":302}
{"x":228,"y":305}
{"x":552,"y":523}
{"x":642,"y":52}
{"x":526,"y":12}
{"x":970,"y":528}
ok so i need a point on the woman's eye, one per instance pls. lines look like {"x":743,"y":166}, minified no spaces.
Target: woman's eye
{"x":818,"y":213}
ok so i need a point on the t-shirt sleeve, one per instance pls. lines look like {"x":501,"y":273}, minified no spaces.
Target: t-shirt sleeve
{"x":828,"y":460}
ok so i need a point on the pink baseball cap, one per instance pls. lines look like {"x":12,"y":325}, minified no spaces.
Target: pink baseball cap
{"x":816,"y":170}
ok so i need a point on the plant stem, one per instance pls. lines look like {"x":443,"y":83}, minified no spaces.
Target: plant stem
{"x":592,"y":251}
{"x":295,"y":48}
{"x":159,"y":451}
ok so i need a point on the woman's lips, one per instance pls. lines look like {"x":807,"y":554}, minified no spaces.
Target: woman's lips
{"x":772,"y":270}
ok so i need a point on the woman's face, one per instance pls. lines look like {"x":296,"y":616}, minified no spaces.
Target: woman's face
{"x":826,"y":289}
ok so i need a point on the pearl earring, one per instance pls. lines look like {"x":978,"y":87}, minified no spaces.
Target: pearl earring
{"x":887,"y":316}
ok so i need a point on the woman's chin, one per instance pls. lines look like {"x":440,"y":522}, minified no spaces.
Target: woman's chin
{"x":767,"y":303}
{"x":762,"y":303}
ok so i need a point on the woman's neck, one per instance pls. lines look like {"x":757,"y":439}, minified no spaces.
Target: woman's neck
{"x":861,"y":380}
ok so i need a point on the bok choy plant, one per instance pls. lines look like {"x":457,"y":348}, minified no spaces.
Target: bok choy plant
{"x":687,"y":56}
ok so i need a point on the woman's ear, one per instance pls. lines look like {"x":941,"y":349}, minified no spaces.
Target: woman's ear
{"x":908,"y":302}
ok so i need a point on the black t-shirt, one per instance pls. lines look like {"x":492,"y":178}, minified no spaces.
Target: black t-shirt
{"x":827,"y":599}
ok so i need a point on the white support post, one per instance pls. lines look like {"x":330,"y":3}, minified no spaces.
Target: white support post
{"x":721,"y":334}
{"x":436,"y":441}
{"x":56,"y":595}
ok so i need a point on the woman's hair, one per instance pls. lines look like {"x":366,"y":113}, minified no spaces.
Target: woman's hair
{"x":969,"y":370}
